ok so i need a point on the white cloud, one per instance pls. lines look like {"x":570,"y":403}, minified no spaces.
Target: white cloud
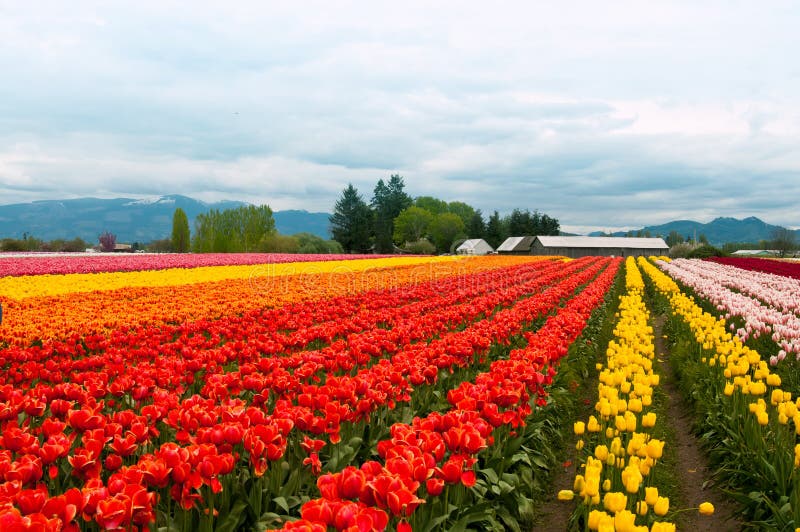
{"x":613,"y":114}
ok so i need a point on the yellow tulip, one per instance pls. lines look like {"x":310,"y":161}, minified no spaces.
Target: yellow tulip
{"x":651,"y":495}
{"x":579,"y":428}
{"x":655,"y":448}
{"x":601,"y":452}
{"x":660,"y":526}
{"x":566,"y":495}
{"x":624,"y":521}
{"x":595,"y":516}
{"x":615,"y":501}
{"x":706,"y":508}
{"x":661,"y":507}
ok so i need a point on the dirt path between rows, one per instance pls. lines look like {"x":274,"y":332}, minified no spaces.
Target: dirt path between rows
{"x":692,"y":468}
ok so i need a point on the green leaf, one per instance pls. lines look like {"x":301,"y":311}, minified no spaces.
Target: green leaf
{"x":508,"y":519}
{"x":235,"y":517}
{"x":282,"y":504}
{"x":490,"y":475}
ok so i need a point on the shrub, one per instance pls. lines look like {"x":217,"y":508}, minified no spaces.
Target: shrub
{"x":420,"y":247}
{"x":705,"y":251}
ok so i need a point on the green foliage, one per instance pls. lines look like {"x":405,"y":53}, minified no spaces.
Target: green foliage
{"x":476,"y":227}
{"x":525,"y":223}
{"x":496,"y":230}
{"x":412,"y":224}
{"x":26,"y":243}
{"x":431,"y":204}
{"x":420,"y":247}
{"x":277,"y":243}
{"x":445,"y":229}
{"x":351,"y":221}
{"x":75,"y":245}
{"x":233,"y":230}
{"x":705,"y":251}
{"x":309,"y":243}
{"x":180,"y":231}
{"x":673,"y":238}
{"x":160,"y":246}
{"x":461,"y":209}
{"x":388,"y":202}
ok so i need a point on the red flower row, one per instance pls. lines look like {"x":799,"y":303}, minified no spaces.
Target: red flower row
{"x":775,"y":267}
{"x":441,"y":449}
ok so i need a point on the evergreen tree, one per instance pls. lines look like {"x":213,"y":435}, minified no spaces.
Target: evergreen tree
{"x":495,"y":232}
{"x":351,"y":221}
{"x":180,"y":231}
{"x":520,"y":223}
{"x":388,"y":201}
{"x":476,"y":228}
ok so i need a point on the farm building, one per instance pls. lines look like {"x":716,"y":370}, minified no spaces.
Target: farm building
{"x":474,"y":246}
{"x":756,"y":253}
{"x":581,"y":246}
{"x":516,"y":245}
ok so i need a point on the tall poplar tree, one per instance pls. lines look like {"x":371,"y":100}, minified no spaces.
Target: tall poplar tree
{"x":180,"y":231}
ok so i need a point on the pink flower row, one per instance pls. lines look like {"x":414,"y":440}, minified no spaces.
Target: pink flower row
{"x":767,"y":303}
{"x":102,"y":262}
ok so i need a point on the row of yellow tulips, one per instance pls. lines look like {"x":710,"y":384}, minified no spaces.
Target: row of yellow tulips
{"x":753,"y":410}
{"x":617,"y":447}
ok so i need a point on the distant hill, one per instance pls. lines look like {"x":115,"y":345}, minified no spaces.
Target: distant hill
{"x":131,"y":220}
{"x":718,"y":231}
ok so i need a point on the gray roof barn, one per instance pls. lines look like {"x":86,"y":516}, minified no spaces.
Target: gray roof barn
{"x":581,"y":246}
{"x":516,"y":245}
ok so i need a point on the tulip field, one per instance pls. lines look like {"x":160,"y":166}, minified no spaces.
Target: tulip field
{"x":281,"y":392}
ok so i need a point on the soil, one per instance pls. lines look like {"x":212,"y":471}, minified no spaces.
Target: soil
{"x":693,"y":473}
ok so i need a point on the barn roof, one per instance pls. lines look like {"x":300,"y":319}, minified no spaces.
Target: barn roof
{"x":473,"y":243}
{"x":602,"y":242}
{"x":516,"y":243}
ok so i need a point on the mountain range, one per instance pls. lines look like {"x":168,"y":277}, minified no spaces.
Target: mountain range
{"x":131,"y":220}
{"x":145,"y":220}
{"x":718,"y":231}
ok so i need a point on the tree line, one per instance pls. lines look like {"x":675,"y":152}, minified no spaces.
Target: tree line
{"x":245,"y":229}
{"x":394,"y":220}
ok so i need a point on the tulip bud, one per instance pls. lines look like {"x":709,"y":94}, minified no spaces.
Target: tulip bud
{"x":566,"y":495}
{"x":706,"y":508}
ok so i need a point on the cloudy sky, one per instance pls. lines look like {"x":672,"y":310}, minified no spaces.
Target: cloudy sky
{"x":605,"y":115}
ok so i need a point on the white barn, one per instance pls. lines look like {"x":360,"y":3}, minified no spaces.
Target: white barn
{"x":474,"y":246}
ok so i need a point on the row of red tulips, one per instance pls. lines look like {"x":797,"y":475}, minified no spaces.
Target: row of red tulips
{"x":776,"y":267}
{"x":432,"y":452}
